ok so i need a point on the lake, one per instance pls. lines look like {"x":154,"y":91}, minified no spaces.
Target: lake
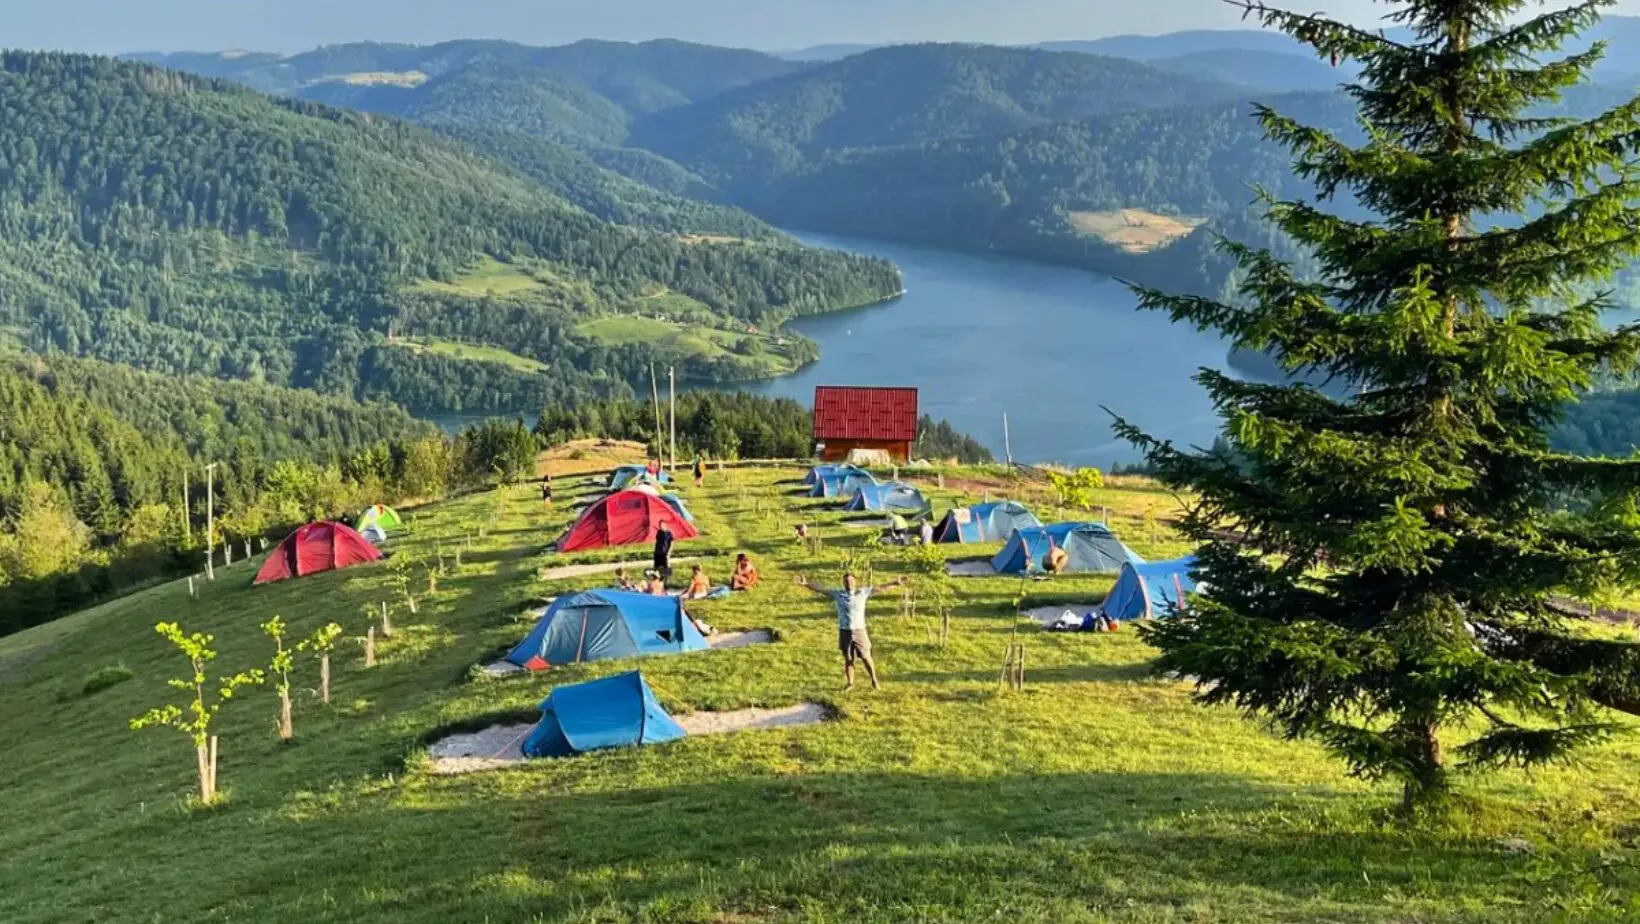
{"x":983,"y":336}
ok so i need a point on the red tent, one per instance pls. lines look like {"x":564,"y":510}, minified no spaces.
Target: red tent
{"x":624,"y":518}
{"x":314,"y":548}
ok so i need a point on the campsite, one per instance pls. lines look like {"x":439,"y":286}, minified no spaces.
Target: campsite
{"x":1098,"y":792}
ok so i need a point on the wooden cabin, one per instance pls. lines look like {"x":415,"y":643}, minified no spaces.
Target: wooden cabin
{"x":847,"y":418}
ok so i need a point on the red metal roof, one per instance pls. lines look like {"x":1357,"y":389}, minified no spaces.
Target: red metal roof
{"x":848,"y":413}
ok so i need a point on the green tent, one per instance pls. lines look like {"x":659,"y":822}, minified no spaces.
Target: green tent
{"x":379,"y":515}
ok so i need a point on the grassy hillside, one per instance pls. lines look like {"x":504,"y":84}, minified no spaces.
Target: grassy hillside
{"x":187,"y":226}
{"x":1098,"y":794}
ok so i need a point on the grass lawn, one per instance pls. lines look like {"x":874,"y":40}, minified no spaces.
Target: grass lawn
{"x":1097,"y":794}
{"x":690,"y":339}
{"x":489,"y":277}
{"x":475,"y":353}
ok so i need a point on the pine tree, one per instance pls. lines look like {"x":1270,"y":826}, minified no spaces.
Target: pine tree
{"x":1402,"y":523}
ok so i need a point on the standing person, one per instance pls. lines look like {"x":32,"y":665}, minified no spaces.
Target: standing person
{"x":546,"y":490}
{"x":700,"y":470}
{"x":663,"y":550}
{"x":852,"y":639}
{"x":926,"y":532}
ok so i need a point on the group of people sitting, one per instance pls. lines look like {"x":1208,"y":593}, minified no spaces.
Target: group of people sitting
{"x":744,"y":577}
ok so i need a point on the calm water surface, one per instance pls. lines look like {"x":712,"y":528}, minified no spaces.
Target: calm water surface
{"x":981,"y":336}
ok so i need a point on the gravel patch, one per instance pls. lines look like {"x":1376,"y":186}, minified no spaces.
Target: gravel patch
{"x":639,"y":567}
{"x":970,"y":569}
{"x":501,"y":669}
{"x":501,"y":745}
{"x":739,"y":639}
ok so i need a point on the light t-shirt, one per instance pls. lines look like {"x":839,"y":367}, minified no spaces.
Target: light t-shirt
{"x":851,"y":607}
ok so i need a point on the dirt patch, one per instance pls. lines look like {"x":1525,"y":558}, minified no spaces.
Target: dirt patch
{"x":1134,"y":230}
{"x":970,"y":569}
{"x":634,"y":568}
{"x":502,"y":745}
{"x":740,"y":639}
{"x":717,"y":723}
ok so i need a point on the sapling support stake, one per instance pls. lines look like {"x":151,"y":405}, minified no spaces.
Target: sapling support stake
{"x":370,"y":647}
{"x":387,"y":622}
{"x":324,"y":678}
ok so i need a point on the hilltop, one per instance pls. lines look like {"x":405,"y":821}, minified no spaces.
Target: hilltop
{"x":1096,"y":793}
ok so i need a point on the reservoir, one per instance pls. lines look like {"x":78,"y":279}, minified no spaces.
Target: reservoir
{"x":982,"y":336}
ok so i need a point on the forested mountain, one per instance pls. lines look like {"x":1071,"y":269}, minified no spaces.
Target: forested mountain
{"x":903,"y":95}
{"x":1272,"y":71}
{"x":187,"y":226}
{"x":640,"y":77}
{"x":1174,"y":44}
{"x":523,"y":98}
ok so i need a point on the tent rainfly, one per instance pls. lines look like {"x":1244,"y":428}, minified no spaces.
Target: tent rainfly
{"x":831,"y":470}
{"x":627,"y":475}
{"x":599,"y":624}
{"x":895,"y":496}
{"x":613,"y":712}
{"x":1150,"y":591}
{"x":379,"y":515}
{"x":993,"y":522}
{"x":841,"y":485}
{"x":316,"y":547}
{"x":1092,"y":547}
{"x":624,"y":518}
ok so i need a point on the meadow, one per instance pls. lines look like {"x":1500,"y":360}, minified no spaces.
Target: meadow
{"x":1098,"y":793}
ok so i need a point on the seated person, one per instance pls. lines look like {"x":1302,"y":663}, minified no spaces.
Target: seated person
{"x":654,"y":583}
{"x":699,"y":585}
{"x":745,"y":574}
{"x":1057,"y":558}
{"x":801,"y":531}
{"x":623,"y":582}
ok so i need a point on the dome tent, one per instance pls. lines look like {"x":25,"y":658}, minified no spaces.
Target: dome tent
{"x":841,"y":485}
{"x":600,"y":624}
{"x":379,"y":515}
{"x":895,"y":496}
{"x":612,"y":712}
{"x":993,"y":522}
{"x":1092,"y":547}
{"x":1150,"y":591}
{"x":626,"y":475}
{"x":624,"y":518}
{"x":831,"y":470}
{"x":316,"y":547}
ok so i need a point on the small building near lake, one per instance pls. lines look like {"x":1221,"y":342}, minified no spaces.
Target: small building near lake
{"x":881,"y":420}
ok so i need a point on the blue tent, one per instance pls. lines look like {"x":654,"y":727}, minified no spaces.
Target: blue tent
{"x":1092,"y":547}
{"x":600,"y":624}
{"x":993,"y":522}
{"x":625,"y":475}
{"x":831,"y":470}
{"x":614,"y":712}
{"x":894,"y":495}
{"x":1150,"y":590}
{"x":843,"y":485}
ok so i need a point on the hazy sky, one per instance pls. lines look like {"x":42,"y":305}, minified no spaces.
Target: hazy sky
{"x":296,"y":25}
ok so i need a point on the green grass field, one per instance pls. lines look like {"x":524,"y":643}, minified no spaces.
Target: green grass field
{"x":489,"y":277}
{"x":475,"y":353}
{"x":1096,"y":794}
{"x":690,"y":339}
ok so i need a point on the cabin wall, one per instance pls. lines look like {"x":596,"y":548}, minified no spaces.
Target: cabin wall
{"x":835,"y":450}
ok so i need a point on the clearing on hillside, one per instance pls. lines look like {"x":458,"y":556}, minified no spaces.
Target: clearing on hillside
{"x":1134,"y":230}
{"x":488,"y":277}
{"x":473,"y":352}
{"x":758,"y":355}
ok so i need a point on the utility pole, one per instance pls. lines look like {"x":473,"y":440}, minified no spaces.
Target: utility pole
{"x":672,"y":398}
{"x":210,"y":521}
{"x":1007,"y":447}
{"x":655,"y":392}
{"x":187,"y":514}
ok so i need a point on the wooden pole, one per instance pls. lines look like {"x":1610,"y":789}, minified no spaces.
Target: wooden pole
{"x":1007,"y":445}
{"x":213,"y":768}
{"x":187,"y":514}
{"x":210,"y":521}
{"x":655,"y":394}
{"x":191,"y":591}
{"x":672,"y":398}
{"x":324,"y":678}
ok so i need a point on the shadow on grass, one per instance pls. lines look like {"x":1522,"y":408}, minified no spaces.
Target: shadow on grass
{"x":870,"y":845}
{"x":1080,"y":673}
